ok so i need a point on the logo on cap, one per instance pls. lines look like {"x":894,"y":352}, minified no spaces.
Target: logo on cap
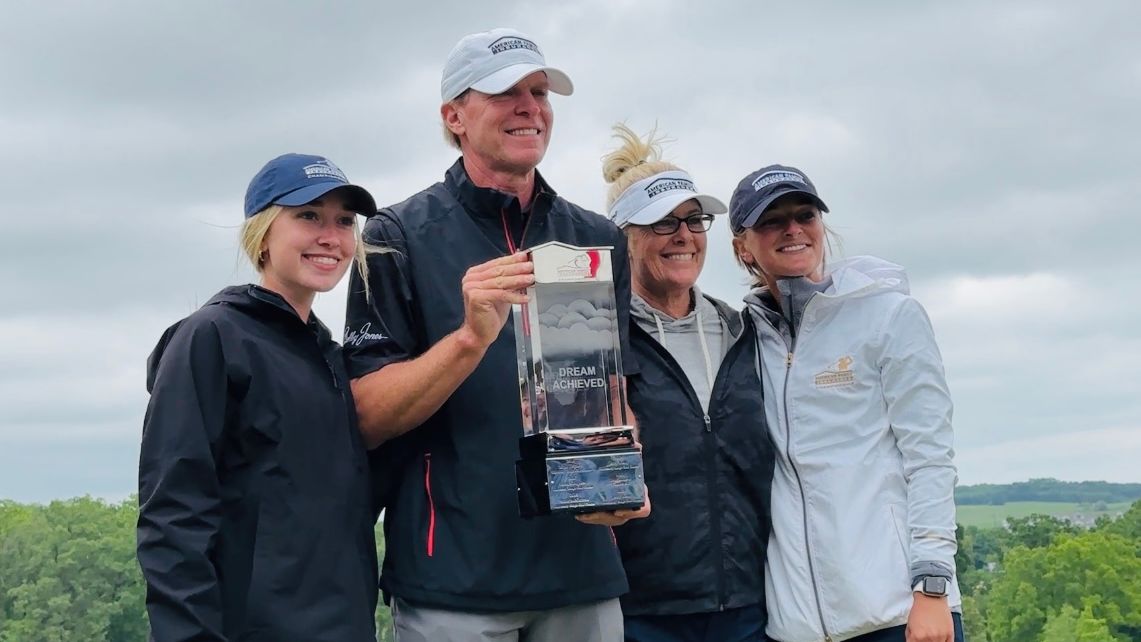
{"x":325,"y":169}
{"x":778,"y":176}
{"x":509,"y":43}
{"x":669,"y":184}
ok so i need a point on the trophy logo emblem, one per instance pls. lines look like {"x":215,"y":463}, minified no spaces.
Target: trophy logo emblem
{"x":581,"y":266}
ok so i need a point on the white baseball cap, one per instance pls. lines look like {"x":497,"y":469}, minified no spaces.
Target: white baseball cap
{"x":653,"y":198}
{"x":492,"y":62}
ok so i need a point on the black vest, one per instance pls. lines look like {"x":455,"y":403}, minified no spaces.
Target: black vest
{"x":703,"y":546}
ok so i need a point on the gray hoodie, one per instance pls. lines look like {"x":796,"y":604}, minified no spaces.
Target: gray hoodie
{"x":698,"y":349}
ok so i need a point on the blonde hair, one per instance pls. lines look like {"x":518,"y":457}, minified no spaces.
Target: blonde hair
{"x":636,"y":158}
{"x":256,"y":227}
{"x":757,"y":276}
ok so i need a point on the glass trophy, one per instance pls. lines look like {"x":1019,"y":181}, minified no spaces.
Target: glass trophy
{"x":577,"y":452}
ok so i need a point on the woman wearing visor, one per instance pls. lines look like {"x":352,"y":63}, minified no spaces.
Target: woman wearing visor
{"x":863,"y":541}
{"x":696,"y":565}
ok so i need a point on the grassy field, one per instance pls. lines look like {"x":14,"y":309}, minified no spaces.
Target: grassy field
{"x":990,"y":516}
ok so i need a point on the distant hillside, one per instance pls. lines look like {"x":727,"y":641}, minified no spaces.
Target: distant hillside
{"x":1078,"y":514}
{"x":1047,"y":490}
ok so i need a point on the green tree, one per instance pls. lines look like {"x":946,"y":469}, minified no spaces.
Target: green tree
{"x":1068,"y":625}
{"x":974,"y":620}
{"x":1038,"y":530}
{"x":1096,"y":571}
{"x":70,"y":573}
{"x":1127,"y":526}
{"x":989,"y":544}
{"x":1047,"y":490}
{"x":965,"y":552}
{"x":384,"y":631}
{"x":13,"y":519}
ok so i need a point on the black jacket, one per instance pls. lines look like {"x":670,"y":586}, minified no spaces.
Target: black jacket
{"x":453,"y":535}
{"x":703,"y":547}
{"x":253,"y":482}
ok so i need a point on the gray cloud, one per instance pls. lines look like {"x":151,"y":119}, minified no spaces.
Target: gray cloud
{"x":989,"y":149}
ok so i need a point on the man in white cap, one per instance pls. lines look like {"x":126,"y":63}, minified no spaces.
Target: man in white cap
{"x":437,"y":379}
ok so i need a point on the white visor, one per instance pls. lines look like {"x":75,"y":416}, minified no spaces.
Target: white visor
{"x":655,"y":197}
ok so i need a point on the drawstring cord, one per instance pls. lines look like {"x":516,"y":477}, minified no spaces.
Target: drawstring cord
{"x":701,"y":339}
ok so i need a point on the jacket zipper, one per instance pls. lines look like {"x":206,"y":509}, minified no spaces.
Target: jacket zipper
{"x":800,"y":485}
{"x":511,"y":247}
{"x":714,"y":507}
{"x":711,"y":466}
{"x":431,"y":504}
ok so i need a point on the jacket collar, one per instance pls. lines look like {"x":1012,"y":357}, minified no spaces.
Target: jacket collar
{"x":731,"y":318}
{"x":272,"y":301}
{"x":485,"y":201}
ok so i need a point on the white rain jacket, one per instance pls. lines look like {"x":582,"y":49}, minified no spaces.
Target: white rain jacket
{"x":864,"y":485}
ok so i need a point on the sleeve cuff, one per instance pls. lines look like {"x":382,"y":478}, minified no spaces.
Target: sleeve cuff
{"x":920,"y":570}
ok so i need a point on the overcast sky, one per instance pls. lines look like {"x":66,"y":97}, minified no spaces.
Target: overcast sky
{"x":990,"y":148}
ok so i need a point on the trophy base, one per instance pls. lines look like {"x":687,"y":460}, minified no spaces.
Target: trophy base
{"x":580,"y":482}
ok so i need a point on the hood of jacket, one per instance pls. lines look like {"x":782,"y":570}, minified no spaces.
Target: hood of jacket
{"x":251,"y":299}
{"x":649,"y":317}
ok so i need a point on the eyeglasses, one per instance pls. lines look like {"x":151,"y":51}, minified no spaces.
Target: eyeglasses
{"x":803,"y":218}
{"x":698,"y":224}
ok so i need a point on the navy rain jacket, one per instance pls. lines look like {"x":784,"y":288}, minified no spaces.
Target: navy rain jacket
{"x":453,"y":536}
{"x":702,"y":549}
{"x":254,"y":520}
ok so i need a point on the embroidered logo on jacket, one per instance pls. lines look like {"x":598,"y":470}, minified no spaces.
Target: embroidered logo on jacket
{"x":358,"y":337}
{"x":842,"y":375}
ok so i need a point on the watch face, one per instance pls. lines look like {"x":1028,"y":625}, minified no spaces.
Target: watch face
{"x":935,"y":585}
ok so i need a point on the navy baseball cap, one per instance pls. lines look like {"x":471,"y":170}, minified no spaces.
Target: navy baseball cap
{"x":297,"y":179}
{"x":758,"y":190}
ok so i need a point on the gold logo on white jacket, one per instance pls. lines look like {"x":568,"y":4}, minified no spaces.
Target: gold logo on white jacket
{"x":840,"y":375}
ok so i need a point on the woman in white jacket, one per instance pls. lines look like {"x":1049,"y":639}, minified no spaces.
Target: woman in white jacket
{"x":863,"y":540}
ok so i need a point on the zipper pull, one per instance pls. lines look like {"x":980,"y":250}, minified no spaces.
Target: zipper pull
{"x":788,"y":361}
{"x":708,"y":423}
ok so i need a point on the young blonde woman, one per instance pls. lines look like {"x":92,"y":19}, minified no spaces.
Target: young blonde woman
{"x":254,"y":519}
{"x":863,"y":540}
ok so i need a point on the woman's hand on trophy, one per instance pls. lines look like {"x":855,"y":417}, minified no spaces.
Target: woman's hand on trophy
{"x":616,"y":517}
{"x":489,"y":289}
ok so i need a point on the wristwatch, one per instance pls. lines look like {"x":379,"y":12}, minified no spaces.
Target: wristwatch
{"x":932,"y":586}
